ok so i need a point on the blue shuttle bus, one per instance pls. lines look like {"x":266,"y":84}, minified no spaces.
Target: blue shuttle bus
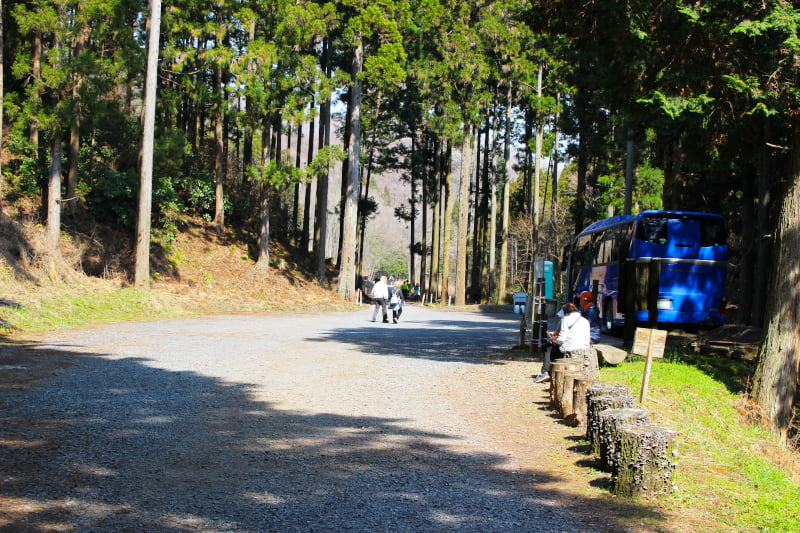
{"x":680,"y":255}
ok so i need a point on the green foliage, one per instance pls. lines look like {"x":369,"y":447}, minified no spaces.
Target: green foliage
{"x":647,"y":191}
{"x":394,"y":262}
{"x":23,"y":175}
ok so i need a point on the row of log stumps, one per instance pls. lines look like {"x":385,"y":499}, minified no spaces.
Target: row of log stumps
{"x":639,"y":456}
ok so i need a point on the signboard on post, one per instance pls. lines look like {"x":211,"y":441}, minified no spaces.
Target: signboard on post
{"x":651,"y":344}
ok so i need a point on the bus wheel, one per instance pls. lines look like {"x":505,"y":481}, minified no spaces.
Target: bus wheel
{"x":608,"y":316}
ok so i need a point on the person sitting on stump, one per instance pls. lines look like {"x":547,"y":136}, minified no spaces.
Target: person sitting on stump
{"x":573,"y":338}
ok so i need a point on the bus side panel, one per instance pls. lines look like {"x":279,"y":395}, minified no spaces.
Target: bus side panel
{"x":689,"y":294}
{"x":607,"y":277}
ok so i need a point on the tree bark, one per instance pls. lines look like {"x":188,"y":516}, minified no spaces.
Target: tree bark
{"x":321,"y":225}
{"x":447,"y":288}
{"x":463,"y":216}
{"x":775,"y":382}
{"x":434,"y":290}
{"x":2,"y":93}
{"x":142,"y":266}
{"x":53,"y":235}
{"x":763,"y":241}
{"x":306,"y":231}
{"x":347,"y":272}
{"x":504,"y":235}
{"x":219,"y":200}
{"x":612,"y":421}
{"x":646,"y":458}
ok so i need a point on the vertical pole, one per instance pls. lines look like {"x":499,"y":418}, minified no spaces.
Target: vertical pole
{"x":648,"y":364}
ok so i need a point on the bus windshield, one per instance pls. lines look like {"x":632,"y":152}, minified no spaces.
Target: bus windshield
{"x":681,"y":236}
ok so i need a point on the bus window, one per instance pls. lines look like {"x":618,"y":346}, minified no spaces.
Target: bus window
{"x":652,"y":230}
{"x":712,"y":233}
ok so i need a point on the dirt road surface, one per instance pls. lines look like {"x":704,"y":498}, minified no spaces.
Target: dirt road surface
{"x":292,"y":422}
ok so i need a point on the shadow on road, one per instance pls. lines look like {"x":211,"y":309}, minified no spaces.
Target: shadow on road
{"x":447,"y":337}
{"x":116,"y":445}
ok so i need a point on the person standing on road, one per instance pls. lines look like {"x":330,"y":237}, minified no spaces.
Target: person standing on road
{"x":396,"y":301}
{"x":591,"y":312}
{"x":380,"y":293}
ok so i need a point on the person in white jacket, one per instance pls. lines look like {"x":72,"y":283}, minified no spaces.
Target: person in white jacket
{"x":575,"y":332}
{"x":380,"y":294}
{"x":572,"y":339}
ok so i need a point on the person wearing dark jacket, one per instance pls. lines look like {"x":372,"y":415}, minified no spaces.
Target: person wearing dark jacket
{"x":591,"y":312}
{"x":396,"y":300}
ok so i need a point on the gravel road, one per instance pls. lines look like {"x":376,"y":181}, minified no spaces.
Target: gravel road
{"x":285,"y":422}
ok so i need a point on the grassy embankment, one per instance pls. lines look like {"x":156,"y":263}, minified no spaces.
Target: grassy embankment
{"x":730,"y":472}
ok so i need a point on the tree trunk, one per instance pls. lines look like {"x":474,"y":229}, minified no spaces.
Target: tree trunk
{"x":474,"y":293}
{"x":423,"y":260}
{"x":412,"y":204}
{"x":434,"y":290}
{"x":775,"y":382}
{"x":219,"y":200}
{"x":504,"y":235}
{"x":262,"y":263}
{"x":71,"y":200}
{"x":554,"y":193}
{"x":2,"y":93}
{"x":296,"y":203}
{"x":537,"y":165}
{"x":142,"y":267}
{"x":447,"y":288}
{"x":309,"y":187}
{"x":53,"y":235}
{"x":744,"y":295}
{"x":763,"y":226}
{"x":347,"y":272}
{"x":321,"y":225}
{"x":463,"y":216}
{"x":348,"y":120}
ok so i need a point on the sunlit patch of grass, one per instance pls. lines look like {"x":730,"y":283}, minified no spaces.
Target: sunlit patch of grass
{"x":68,"y":305}
{"x":723,"y":472}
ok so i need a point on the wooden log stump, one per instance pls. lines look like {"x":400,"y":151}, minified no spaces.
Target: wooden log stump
{"x":591,"y":367}
{"x":610,"y":355}
{"x":565,"y":391}
{"x":646,"y":461}
{"x":600,"y":388}
{"x":612,"y":422}
{"x":615,"y":397}
{"x":558,"y":367}
{"x":578,"y":418}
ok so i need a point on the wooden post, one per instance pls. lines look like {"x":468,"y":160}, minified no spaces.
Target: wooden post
{"x":651,"y":343}
{"x":558,"y":367}
{"x":578,"y":418}
{"x":646,"y":461}
{"x":564,"y":392}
